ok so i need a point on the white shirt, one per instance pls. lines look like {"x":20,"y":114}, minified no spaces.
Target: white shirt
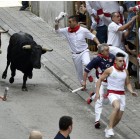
{"x":109,"y":6}
{"x":92,"y":7}
{"x":116,"y":80}
{"x":77,"y":40}
{"x":114,"y":36}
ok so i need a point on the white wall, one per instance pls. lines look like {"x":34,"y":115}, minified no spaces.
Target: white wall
{"x":48,"y":10}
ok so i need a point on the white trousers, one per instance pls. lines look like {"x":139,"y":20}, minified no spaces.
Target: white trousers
{"x":114,"y":50}
{"x":99,"y":102}
{"x":81,"y":60}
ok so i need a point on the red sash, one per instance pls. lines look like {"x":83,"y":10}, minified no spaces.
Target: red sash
{"x":116,"y":92}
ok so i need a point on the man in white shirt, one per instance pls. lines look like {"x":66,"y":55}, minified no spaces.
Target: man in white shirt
{"x":76,"y":37}
{"x":117,"y":34}
{"x":116,"y":31}
{"x":97,"y":22}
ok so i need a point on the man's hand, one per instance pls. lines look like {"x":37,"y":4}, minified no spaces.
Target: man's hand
{"x":97,"y":96}
{"x":84,"y":85}
{"x":130,"y":9}
{"x":134,"y":94}
{"x":98,"y":45}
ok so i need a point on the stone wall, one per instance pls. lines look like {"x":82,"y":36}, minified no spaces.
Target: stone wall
{"x":48,"y":10}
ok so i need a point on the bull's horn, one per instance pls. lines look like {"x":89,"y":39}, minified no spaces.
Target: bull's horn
{"x":27,"y":47}
{"x":45,"y":49}
{"x":1,"y":31}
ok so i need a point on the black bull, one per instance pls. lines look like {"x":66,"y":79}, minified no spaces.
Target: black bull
{"x":23,"y":54}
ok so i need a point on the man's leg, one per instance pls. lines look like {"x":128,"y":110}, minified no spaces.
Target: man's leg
{"x":102,"y":33}
{"x":118,"y":118}
{"x":78,"y":66}
{"x":114,"y":114}
{"x":85,"y":60}
{"x":122,"y":107}
{"x":98,"y":107}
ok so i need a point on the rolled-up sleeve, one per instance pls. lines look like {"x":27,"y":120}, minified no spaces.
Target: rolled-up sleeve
{"x":89,"y":35}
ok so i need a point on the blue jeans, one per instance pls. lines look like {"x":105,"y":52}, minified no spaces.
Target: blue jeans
{"x":102,"y":33}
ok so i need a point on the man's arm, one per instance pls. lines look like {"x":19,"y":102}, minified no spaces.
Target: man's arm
{"x":126,"y":26}
{"x":94,"y":63}
{"x":88,"y":7}
{"x":95,"y":39}
{"x":134,"y":9}
{"x":127,"y":32}
{"x":129,"y":86}
{"x":56,"y":25}
{"x":98,"y":84}
{"x":91,"y":36}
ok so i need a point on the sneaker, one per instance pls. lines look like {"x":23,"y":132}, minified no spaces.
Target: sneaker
{"x":97,"y":125}
{"x":90,"y":78}
{"x":89,"y":100}
{"x":109,"y":133}
{"x":106,"y":135}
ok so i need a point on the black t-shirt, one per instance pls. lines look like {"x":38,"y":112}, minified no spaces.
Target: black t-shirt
{"x":60,"y":136}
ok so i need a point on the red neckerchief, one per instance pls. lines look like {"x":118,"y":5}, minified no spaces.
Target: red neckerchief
{"x":75,"y":29}
{"x":120,"y":69}
{"x":105,"y":57}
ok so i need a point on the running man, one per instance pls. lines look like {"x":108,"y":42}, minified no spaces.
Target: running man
{"x":76,"y":37}
{"x":117,"y":77}
{"x":103,"y":61}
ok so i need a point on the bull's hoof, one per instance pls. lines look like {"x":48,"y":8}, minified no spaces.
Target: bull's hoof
{"x":11,"y":80}
{"x":24,"y":89}
{"x":4,"y":75}
{"x":30,"y":76}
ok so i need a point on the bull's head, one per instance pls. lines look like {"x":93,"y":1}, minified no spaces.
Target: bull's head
{"x":36,"y":52}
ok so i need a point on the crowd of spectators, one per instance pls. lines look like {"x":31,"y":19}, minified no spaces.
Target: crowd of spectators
{"x":97,"y":15}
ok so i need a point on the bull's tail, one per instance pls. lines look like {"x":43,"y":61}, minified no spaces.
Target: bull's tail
{"x":4,"y":75}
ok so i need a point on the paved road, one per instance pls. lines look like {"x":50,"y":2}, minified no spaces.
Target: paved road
{"x":41,"y":107}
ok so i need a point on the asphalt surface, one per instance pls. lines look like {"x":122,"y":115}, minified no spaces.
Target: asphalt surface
{"x":60,"y":64}
{"x":41,"y":107}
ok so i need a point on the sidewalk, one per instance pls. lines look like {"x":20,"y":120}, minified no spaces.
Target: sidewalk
{"x":59,"y":63}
